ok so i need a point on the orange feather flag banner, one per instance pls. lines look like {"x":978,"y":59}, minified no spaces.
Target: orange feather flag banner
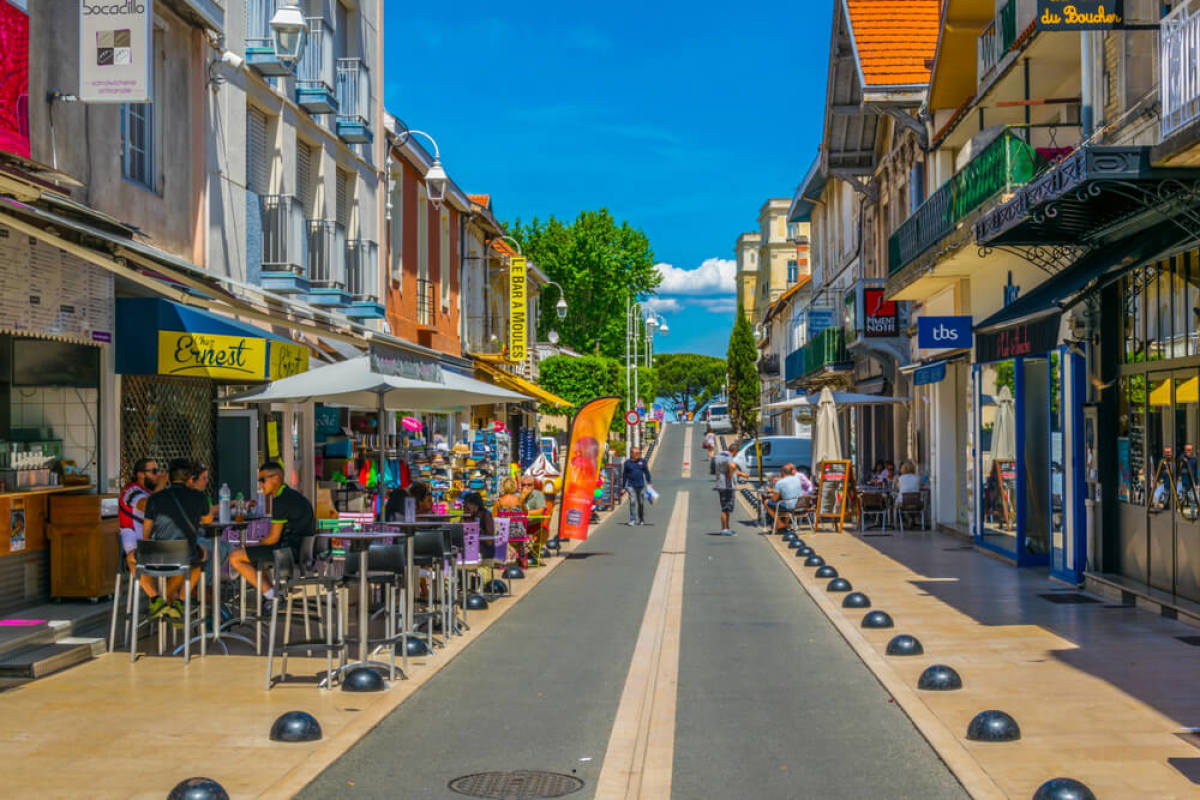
{"x":589,"y":431}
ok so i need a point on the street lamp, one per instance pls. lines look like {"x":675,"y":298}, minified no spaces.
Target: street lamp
{"x":654,"y":321}
{"x":435,"y":177}
{"x":289,"y":30}
{"x":560,"y":308}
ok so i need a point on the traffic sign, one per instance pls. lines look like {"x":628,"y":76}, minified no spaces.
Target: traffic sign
{"x":631,"y":417}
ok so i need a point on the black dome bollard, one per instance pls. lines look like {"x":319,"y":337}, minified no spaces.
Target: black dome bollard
{"x":554,"y":544}
{"x":793,"y":543}
{"x":514,"y":573}
{"x":856,"y":600}
{"x":939,"y":678}
{"x":838,"y":585}
{"x":296,"y":726}
{"x":363,"y":679}
{"x":877,"y":619}
{"x":814,"y":561}
{"x":826,"y":572}
{"x":416,"y":645}
{"x":993,"y":726}
{"x":476,"y":602}
{"x":198,"y":789}
{"x":1063,"y":789}
{"x":805,"y":550}
{"x":905,"y":645}
{"x":800,"y":542}
{"x":496,"y":586}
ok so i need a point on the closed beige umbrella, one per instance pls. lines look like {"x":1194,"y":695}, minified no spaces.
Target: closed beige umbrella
{"x":828,"y":445}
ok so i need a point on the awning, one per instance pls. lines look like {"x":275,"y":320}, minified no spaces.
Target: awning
{"x":933,"y":370}
{"x":839,"y":398}
{"x":518,"y":384}
{"x":354,"y":383}
{"x":1099,"y":267}
{"x":158,"y":337}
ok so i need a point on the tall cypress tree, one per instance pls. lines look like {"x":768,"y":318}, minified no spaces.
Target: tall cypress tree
{"x":744,"y":386}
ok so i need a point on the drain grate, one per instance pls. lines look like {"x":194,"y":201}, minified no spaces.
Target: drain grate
{"x":1194,"y":641}
{"x":518,"y":785}
{"x":1068,"y":598}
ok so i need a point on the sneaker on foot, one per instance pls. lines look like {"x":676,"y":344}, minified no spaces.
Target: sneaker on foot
{"x":157,"y":606}
{"x":631,"y":523}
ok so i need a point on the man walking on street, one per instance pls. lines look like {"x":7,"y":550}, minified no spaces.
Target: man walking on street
{"x":635,"y":477}
{"x":726,"y":469}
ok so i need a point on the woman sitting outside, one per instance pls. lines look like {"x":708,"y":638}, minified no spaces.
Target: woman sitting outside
{"x":475,"y":510}
{"x":509,"y":500}
{"x":909,"y":481}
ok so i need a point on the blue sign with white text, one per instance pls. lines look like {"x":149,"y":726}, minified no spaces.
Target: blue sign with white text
{"x":939,"y":333}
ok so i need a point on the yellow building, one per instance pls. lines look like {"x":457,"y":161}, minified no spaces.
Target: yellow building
{"x":747,"y":273}
{"x":777,"y":261}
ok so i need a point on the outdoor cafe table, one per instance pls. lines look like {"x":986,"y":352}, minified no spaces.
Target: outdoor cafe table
{"x":214,"y":531}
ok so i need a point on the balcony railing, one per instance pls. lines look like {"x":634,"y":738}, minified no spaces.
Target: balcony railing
{"x":362,"y":270}
{"x":1179,"y":62}
{"x":326,"y":255}
{"x":1004,"y":164}
{"x":996,"y":40}
{"x":353,"y":101}
{"x":285,"y":235}
{"x":769,"y":364}
{"x":315,"y":75}
{"x":826,"y":349}
{"x":425,"y":302}
{"x":260,"y":44}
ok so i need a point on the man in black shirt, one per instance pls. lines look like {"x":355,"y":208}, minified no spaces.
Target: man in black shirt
{"x":172,"y":514}
{"x":292,"y":519}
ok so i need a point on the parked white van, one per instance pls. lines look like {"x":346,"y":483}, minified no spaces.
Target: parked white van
{"x":718,"y":418}
{"x":776,"y":451}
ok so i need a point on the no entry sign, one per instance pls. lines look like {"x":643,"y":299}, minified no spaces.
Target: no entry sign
{"x":631,"y":417}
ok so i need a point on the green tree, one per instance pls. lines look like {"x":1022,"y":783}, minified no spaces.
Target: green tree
{"x":579,"y":380}
{"x":689,"y":379}
{"x":601,"y":265}
{"x":744,"y":387}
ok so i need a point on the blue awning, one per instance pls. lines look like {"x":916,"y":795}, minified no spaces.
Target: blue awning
{"x":930,"y":373}
{"x":159,"y":337}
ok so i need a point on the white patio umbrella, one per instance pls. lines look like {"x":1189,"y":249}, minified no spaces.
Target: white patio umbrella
{"x":828,"y":445}
{"x":1004,"y":431}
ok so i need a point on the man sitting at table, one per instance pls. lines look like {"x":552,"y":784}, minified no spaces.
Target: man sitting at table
{"x":418,"y":492}
{"x":173,"y":514}
{"x":292,"y":519}
{"x":787,"y":491}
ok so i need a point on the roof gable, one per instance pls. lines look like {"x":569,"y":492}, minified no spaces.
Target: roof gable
{"x":894,"y":40}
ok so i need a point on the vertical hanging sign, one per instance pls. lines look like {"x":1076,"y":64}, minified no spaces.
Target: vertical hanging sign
{"x":114,"y":51}
{"x":518,"y":315}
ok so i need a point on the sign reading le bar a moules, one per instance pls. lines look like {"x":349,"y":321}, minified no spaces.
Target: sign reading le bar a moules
{"x":1070,"y":15}
{"x":518,"y":317}
{"x":114,"y":51}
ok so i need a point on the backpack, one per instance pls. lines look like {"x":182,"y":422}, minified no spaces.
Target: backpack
{"x":167,"y":530}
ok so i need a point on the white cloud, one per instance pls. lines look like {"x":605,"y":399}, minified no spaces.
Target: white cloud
{"x":718,"y":305}
{"x":663,"y":305}
{"x":714,"y":276}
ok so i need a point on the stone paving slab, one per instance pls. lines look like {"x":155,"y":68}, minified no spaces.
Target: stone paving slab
{"x":1100,"y":693}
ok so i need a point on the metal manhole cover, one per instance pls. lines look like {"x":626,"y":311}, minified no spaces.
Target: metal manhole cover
{"x":518,"y":785}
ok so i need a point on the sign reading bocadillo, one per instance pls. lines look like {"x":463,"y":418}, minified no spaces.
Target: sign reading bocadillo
{"x":115,"y":56}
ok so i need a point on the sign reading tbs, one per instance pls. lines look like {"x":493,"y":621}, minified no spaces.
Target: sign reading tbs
{"x":940,"y":333}
{"x":114,"y":51}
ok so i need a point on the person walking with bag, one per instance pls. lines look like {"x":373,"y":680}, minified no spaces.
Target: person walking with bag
{"x":635,"y":479}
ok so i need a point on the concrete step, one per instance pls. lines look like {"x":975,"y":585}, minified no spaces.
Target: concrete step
{"x":48,"y":623}
{"x":38,"y":660}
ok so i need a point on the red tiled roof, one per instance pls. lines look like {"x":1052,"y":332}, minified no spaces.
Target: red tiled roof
{"x":484,"y":200}
{"x":895,"y":39}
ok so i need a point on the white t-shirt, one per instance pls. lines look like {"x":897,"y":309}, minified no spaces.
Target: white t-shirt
{"x":909,"y":483}
{"x":789,"y":489}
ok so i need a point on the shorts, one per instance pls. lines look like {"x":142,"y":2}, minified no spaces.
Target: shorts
{"x":261,"y":555}
{"x":726,"y":496}
{"x":129,"y":539}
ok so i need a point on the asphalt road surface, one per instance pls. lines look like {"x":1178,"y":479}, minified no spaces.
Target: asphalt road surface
{"x":769,"y":701}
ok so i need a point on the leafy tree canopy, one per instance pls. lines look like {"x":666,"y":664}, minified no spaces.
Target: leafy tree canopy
{"x":600,"y":266}
{"x":582,"y":379}
{"x":689,"y":379}
{"x":744,"y":386}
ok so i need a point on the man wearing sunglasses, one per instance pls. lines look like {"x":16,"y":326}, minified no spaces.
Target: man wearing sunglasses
{"x":146,"y":479}
{"x":292,"y":519}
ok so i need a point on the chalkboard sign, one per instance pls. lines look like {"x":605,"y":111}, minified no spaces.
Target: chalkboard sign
{"x":833,"y":491}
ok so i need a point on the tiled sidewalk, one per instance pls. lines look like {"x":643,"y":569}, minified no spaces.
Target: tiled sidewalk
{"x":1102,"y":693}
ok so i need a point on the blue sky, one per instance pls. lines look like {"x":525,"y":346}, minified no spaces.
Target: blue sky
{"x":680,"y":118}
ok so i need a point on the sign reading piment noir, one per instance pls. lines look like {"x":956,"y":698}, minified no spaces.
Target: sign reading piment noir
{"x":518,"y":315}
{"x":115,"y":56}
{"x":1071,"y":15}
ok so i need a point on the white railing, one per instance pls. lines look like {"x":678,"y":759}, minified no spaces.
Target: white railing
{"x":285,"y":235}
{"x":315,"y":71}
{"x":362,"y":269}
{"x":326,"y":254}
{"x":353,"y":92}
{"x":1179,"y":62}
{"x":258,"y":24}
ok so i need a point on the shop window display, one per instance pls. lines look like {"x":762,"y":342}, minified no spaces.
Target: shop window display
{"x":998,"y":451}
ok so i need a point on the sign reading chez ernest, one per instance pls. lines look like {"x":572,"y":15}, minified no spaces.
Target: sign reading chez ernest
{"x":206,"y":355}
{"x":518,"y":318}
{"x":114,"y":50}
{"x":1070,"y":15}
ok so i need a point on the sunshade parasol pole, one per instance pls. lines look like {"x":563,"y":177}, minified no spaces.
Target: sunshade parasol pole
{"x":379,"y":417}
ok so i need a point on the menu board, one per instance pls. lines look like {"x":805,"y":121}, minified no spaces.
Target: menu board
{"x":48,"y":291}
{"x":833,"y":491}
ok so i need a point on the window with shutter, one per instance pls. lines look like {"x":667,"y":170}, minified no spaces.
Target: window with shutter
{"x":305,"y":185}
{"x":396,"y":244}
{"x":444,"y":258}
{"x":257,"y":165}
{"x":343,"y":198}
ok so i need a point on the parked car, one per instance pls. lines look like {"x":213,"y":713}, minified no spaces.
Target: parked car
{"x":550,"y":450}
{"x":776,"y":451}
{"x":718,"y":418}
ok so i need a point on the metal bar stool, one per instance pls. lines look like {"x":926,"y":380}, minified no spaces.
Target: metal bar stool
{"x":163,"y":560}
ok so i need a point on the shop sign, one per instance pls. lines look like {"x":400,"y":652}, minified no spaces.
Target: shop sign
{"x":819,"y":319}
{"x":933,"y":373}
{"x":518,"y":316}
{"x":206,"y":355}
{"x":287,"y":359}
{"x":114,"y":51}
{"x":880,"y":318}
{"x":1072,"y":15}
{"x":398,"y":364}
{"x":1027,"y":338}
{"x":939,"y":333}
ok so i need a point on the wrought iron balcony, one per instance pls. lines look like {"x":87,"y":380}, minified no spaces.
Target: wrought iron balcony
{"x":996,"y":40}
{"x":425,"y":303}
{"x":315,"y":75}
{"x":260,"y":44}
{"x":1179,"y":65}
{"x":1002,"y":166}
{"x":362,"y":279}
{"x":353,"y":101}
{"x":327,"y":262}
{"x":769,"y":364}
{"x":284,"y":243}
{"x":826,"y":350}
